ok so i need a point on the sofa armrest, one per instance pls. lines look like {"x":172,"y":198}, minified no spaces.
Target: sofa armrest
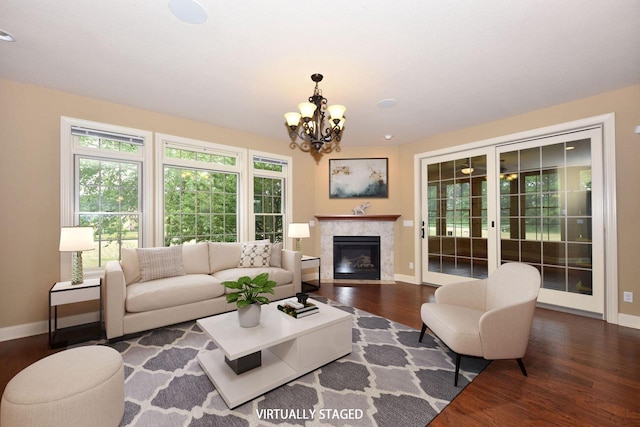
{"x":505,"y":331}
{"x":292,"y":261}
{"x":470,"y":294}
{"x":115,"y":291}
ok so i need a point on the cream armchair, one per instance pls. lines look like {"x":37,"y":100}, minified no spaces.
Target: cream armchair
{"x":489,"y":318}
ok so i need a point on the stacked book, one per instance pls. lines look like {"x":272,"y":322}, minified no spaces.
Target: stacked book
{"x":295,"y":309}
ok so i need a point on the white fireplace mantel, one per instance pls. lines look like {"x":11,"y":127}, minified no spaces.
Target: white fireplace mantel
{"x":357,"y":225}
{"x":390,"y":217}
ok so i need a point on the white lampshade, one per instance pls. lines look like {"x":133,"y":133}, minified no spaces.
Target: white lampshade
{"x":336,"y":111}
{"x":75,"y":239}
{"x":307,"y":109}
{"x":292,"y":119}
{"x":299,"y":230}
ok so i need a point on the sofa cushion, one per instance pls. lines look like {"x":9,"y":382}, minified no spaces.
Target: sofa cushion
{"x":158,"y":263}
{"x":255,"y":255}
{"x":171,"y":292}
{"x":278,"y":275}
{"x":224,"y":255}
{"x":130,"y":266}
{"x":456,"y":326}
{"x":195,"y":258}
{"x":276,"y":255}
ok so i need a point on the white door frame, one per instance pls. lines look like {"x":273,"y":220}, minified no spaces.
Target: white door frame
{"x":607,"y":124}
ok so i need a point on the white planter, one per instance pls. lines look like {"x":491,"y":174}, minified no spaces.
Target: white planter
{"x":249,"y":316}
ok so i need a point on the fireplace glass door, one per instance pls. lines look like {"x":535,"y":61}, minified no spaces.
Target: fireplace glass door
{"x":356,"y":257}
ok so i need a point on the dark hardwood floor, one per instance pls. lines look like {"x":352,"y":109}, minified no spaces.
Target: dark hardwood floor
{"x":582,"y":372}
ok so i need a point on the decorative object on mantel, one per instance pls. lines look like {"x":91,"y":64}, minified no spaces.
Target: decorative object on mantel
{"x":359,"y":210}
{"x":298,"y":230}
{"x":308,"y":124}
{"x":247,"y":297}
{"x":358,"y":178}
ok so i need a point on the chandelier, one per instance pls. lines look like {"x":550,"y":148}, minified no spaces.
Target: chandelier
{"x":308,"y":125}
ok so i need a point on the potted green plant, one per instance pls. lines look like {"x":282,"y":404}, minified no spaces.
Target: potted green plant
{"x":247,"y":297}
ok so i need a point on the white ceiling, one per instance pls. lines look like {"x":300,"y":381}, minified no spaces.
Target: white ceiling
{"x":450,"y":64}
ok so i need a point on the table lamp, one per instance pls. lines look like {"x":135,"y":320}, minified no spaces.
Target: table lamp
{"x":298,"y":231}
{"x":76,"y":240}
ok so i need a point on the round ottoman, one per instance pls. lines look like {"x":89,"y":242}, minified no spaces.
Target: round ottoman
{"x":78,"y":387}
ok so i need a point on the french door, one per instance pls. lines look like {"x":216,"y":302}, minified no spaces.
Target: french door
{"x":538,"y":201}
{"x":457,"y":192}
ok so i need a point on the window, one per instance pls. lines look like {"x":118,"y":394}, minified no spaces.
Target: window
{"x":102,"y":182}
{"x":108,"y":199}
{"x":201,"y":184}
{"x":202,"y":190}
{"x":199,"y":205}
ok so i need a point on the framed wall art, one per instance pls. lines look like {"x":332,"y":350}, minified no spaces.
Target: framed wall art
{"x":358,"y":178}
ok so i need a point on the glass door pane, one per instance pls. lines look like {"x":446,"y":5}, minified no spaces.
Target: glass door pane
{"x":546,"y":204}
{"x":456,"y":212}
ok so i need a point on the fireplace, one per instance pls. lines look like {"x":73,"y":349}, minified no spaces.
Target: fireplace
{"x":356,"y":257}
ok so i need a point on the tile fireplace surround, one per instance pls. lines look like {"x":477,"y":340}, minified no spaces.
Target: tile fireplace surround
{"x":357,"y":225}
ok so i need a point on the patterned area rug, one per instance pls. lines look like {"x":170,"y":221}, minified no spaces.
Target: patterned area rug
{"x":389,"y":379}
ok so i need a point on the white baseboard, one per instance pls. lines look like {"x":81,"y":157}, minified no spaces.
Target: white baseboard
{"x":405,"y":278}
{"x":628,"y":320}
{"x":42,"y":327}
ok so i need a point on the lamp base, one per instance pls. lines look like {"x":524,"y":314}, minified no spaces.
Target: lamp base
{"x":298,"y":245}
{"x":76,"y":268}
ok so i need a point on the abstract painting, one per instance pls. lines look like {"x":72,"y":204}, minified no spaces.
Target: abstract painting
{"x":358,"y":178}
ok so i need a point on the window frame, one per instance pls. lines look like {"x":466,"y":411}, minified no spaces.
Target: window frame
{"x":286,"y":175}
{"x":161,"y":160}
{"x":69,"y":151}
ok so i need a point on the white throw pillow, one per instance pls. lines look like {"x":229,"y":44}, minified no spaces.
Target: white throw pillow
{"x":157,"y":263}
{"x":255,"y":255}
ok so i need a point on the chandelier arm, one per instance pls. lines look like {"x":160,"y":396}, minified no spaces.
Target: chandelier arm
{"x":304,"y":146}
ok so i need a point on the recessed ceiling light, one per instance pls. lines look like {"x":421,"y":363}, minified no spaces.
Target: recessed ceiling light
{"x":189,"y":11}
{"x":388,"y":137}
{"x":387,"y":103}
{"x":4,"y":36}
{"x":570,"y":147}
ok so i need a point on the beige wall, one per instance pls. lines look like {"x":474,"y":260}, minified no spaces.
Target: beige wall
{"x":30,"y":183}
{"x":30,"y":176}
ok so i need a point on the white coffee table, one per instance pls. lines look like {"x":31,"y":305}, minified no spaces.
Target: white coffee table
{"x":289,"y":349}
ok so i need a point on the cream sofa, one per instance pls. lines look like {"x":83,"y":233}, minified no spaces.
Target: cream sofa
{"x":155,"y":287}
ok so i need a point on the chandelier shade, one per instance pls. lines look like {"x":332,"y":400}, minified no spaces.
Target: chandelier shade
{"x":307,"y":128}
